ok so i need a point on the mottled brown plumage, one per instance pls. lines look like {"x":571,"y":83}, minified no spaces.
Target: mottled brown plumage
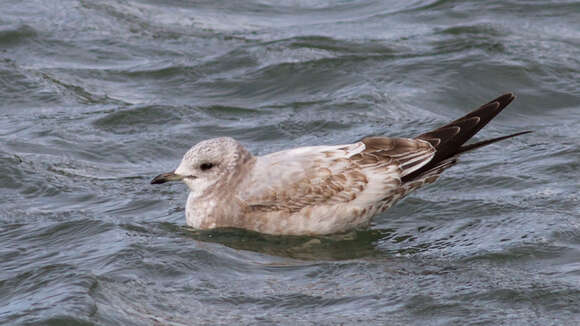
{"x":320,"y":189}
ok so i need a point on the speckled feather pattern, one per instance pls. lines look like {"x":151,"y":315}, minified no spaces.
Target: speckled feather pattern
{"x":312,"y":190}
{"x":319,"y":189}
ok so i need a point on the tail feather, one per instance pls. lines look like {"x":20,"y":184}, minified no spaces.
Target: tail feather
{"x":473,"y":146}
{"x":449,"y":140}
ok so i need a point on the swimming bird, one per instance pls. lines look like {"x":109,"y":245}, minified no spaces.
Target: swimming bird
{"x":319,"y":189}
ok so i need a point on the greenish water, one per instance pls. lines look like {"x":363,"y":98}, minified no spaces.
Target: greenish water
{"x":97,"y":97}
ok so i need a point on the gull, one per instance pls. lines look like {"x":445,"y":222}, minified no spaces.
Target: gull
{"x":319,"y":189}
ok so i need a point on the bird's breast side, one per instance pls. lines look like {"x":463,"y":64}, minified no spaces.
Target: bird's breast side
{"x":199,"y":214}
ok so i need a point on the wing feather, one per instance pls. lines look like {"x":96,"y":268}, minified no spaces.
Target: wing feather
{"x":330,"y":175}
{"x":409,"y":154}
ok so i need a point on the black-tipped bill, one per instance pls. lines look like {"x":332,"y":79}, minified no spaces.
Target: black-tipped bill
{"x":166,"y":177}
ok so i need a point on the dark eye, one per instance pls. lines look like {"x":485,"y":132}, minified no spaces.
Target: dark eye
{"x":206,"y":166}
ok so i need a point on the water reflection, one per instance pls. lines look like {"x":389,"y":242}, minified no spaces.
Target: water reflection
{"x":358,"y":244}
{"x":351,"y":245}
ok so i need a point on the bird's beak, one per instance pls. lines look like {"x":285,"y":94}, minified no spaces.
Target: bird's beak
{"x":165,"y":177}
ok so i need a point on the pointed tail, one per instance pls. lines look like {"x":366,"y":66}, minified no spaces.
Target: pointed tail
{"x":449,"y":140}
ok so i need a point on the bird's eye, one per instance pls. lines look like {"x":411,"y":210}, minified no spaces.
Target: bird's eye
{"x":206,"y":166}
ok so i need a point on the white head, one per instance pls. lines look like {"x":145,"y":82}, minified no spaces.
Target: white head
{"x":208,"y":164}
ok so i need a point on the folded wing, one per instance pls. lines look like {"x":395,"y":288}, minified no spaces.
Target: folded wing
{"x":364,"y":174}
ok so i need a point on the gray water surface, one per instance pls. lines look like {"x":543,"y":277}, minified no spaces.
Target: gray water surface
{"x":97,"y":97}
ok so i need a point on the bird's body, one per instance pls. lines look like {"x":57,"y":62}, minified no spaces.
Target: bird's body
{"x":319,"y":189}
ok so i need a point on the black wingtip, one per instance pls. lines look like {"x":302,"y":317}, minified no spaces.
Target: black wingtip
{"x":468,"y":125}
{"x":449,"y":140}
